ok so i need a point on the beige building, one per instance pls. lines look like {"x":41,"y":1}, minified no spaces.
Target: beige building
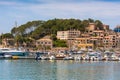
{"x":8,"y":42}
{"x":44,"y":44}
{"x":98,"y":33}
{"x":91,"y":27}
{"x":97,"y":38}
{"x":68,"y":35}
{"x":119,"y":40}
{"x":106,"y":27}
{"x":103,"y":39}
{"x":111,"y":41}
{"x":83,"y":43}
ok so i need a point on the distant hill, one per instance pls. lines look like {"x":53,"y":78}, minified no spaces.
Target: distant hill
{"x":39,"y":29}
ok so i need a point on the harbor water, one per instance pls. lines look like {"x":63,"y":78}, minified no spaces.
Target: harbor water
{"x":59,"y":70}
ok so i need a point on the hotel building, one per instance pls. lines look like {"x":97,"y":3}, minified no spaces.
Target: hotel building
{"x":68,"y":35}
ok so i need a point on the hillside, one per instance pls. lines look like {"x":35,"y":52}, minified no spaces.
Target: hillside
{"x":38,"y":29}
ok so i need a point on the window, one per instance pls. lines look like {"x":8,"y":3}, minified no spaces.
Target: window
{"x":45,"y":42}
{"x":49,"y":42}
{"x":41,"y":42}
{"x":38,"y":42}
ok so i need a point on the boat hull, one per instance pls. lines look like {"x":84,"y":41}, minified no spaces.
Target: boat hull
{"x":16,"y":53}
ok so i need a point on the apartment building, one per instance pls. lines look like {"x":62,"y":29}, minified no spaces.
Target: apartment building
{"x":98,"y":33}
{"x":106,"y":27}
{"x":83,"y":43}
{"x":102,"y":38}
{"x":119,"y":40}
{"x":68,"y":35}
{"x":111,"y":41}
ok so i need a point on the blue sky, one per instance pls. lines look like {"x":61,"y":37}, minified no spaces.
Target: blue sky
{"x":22,"y":11}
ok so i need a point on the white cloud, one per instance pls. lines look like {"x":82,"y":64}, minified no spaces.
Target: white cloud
{"x":107,"y":11}
{"x":94,"y":8}
{"x":7,"y":3}
{"x":97,"y":9}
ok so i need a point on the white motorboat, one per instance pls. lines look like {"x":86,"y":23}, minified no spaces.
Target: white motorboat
{"x":7,"y":55}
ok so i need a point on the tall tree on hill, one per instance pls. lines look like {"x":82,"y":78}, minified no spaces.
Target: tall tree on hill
{"x":91,"y":20}
{"x":26,"y":28}
{"x":6,"y":35}
{"x":99,"y":24}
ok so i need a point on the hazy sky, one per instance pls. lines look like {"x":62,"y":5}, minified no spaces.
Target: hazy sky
{"x":22,"y":11}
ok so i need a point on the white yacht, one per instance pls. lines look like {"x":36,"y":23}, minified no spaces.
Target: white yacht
{"x":13,"y":51}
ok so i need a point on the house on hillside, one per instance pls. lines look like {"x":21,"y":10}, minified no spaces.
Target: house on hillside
{"x":8,"y":42}
{"x":44,"y":43}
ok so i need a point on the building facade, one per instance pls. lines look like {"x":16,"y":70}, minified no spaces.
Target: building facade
{"x":8,"y":42}
{"x":44,"y":44}
{"x":83,"y":43}
{"x":68,"y":35}
{"x":111,"y":41}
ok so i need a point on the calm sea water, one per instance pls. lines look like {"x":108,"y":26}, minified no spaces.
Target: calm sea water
{"x":58,"y":70}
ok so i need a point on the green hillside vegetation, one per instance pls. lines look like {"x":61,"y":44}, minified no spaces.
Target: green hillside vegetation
{"x":37,"y":29}
{"x":60,"y":43}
